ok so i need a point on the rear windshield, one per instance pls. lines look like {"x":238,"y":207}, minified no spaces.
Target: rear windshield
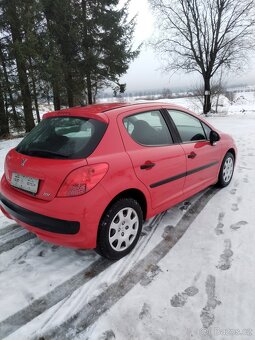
{"x":63,"y":138}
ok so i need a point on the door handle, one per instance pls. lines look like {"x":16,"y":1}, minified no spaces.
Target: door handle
{"x":147,"y":166}
{"x":192,"y":155}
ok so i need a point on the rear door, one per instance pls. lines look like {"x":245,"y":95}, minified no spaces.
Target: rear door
{"x":158,"y":162}
{"x":202,"y":158}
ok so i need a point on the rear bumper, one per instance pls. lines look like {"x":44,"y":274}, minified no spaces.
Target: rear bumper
{"x":53,"y":225}
{"x":71,"y":222}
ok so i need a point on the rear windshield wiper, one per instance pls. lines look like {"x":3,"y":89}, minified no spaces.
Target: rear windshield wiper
{"x":45,"y":153}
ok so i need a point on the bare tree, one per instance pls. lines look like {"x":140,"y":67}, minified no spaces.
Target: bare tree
{"x":204,"y":36}
{"x":217,"y":89}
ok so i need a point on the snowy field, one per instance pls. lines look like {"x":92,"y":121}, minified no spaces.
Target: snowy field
{"x":191,"y":276}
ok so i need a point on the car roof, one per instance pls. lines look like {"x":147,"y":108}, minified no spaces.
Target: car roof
{"x":83,"y":111}
{"x":102,"y":111}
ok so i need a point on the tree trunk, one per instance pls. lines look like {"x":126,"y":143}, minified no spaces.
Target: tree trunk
{"x":8,"y":87}
{"x":69,"y":90}
{"x":86,"y":53}
{"x":95,"y":93}
{"x":4,"y":126}
{"x":207,"y":95}
{"x":36,"y":101}
{"x":21,"y":65}
{"x":219,"y":92}
{"x":56,"y":97}
{"x":89,"y":89}
{"x":34,"y":91}
{"x":53,"y":82}
{"x":26,"y":95}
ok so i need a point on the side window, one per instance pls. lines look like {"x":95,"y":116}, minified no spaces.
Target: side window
{"x":207,"y":130}
{"x":189,"y":127}
{"x":148,"y":128}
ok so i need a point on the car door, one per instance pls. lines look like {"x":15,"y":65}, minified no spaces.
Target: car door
{"x":202,"y":158}
{"x":158,"y":162}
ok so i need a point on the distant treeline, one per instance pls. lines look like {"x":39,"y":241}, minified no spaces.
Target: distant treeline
{"x":59,"y":50}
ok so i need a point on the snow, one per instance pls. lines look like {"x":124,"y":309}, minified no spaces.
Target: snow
{"x":198,"y":286}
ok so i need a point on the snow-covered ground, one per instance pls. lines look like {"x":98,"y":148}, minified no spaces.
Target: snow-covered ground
{"x":191,"y":275}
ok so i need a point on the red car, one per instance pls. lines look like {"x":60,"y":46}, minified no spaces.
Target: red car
{"x":88,"y":177}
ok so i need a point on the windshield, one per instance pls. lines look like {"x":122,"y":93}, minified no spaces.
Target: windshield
{"x":63,"y":138}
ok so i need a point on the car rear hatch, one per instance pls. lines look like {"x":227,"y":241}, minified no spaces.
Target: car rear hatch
{"x":50,"y":152}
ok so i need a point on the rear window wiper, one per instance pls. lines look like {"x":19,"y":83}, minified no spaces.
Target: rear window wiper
{"x":45,"y":153}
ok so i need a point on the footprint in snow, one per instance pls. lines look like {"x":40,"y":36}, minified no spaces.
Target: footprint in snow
{"x":167,"y":231}
{"x":21,"y":262}
{"x":220,"y":225}
{"x":225,"y":258}
{"x":151,"y":272}
{"x":108,"y":335}
{"x":236,"y":183}
{"x":207,"y":314}
{"x":238,"y":225}
{"x":180,"y":299}
{"x":233,"y":191}
{"x":239,"y":199}
{"x":145,"y":312}
{"x":234,"y":207}
{"x":245,"y":179}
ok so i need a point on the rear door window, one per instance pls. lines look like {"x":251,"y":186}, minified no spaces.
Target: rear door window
{"x":63,"y":138}
{"x":148,"y":128}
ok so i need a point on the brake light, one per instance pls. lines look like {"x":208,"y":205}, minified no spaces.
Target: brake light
{"x":82,"y":180}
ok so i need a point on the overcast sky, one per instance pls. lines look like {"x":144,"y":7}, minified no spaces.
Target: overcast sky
{"x":145,"y":72}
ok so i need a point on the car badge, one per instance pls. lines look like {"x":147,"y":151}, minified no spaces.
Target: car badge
{"x":23,"y":161}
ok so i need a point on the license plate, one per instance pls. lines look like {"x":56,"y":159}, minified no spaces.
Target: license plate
{"x":25,"y":183}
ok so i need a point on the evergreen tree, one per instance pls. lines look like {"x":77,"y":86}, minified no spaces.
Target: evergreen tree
{"x":4,"y":126}
{"x":64,"y":49}
{"x":13,"y":14}
{"x":62,"y":33}
{"x":106,"y":42}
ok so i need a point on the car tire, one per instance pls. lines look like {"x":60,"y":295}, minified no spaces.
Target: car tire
{"x":119,"y":229}
{"x":226,"y":170}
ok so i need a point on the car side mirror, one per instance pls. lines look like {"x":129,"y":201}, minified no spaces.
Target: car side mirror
{"x":214,"y":137}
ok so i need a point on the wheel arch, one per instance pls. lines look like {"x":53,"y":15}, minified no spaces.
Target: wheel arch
{"x":232,"y":150}
{"x":136,"y":194}
{"x":220,"y":182}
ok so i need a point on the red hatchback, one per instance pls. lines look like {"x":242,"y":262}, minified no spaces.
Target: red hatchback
{"x":88,"y":177}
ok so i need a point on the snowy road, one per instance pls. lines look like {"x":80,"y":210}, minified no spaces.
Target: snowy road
{"x":191,"y":275}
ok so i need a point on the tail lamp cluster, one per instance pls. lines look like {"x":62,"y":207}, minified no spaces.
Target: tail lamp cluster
{"x":82,"y":180}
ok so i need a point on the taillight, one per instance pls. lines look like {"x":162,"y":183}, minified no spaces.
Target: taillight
{"x":82,"y":180}
{"x":6,"y":171}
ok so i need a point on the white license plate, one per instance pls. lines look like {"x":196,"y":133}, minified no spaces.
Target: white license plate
{"x":25,"y":183}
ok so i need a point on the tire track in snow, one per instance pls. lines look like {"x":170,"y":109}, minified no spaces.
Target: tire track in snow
{"x":40,"y":305}
{"x":13,"y":236}
{"x":80,"y":321}
{"x":150,"y":230}
{"x":9,"y":228}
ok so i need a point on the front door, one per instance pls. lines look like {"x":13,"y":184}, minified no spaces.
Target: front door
{"x":202,"y":158}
